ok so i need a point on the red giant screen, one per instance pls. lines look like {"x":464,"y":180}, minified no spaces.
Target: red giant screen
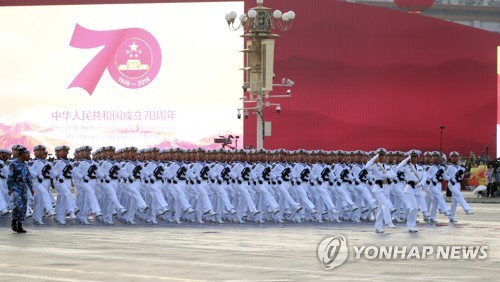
{"x":368,"y":77}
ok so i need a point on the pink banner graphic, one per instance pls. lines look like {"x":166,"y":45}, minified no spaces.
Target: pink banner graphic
{"x":132,"y":56}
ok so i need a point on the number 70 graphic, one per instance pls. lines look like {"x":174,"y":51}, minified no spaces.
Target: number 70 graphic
{"x":132,"y":57}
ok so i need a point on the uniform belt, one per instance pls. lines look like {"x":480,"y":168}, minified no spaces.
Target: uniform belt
{"x":380,"y":183}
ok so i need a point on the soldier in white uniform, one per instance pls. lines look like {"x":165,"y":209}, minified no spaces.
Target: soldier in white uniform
{"x":415,"y":177}
{"x":298,"y":174}
{"x":151,"y":176}
{"x":4,"y":170}
{"x":129,"y":180}
{"x":266,"y":200}
{"x":435,"y":173}
{"x":236,"y":174}
{"x":382,"y":174}
{"x":107,"y":175}
{"x":397,"y":191}
{"x":198,"y":188}
{"x":454,"y":174}
{"x":40,"y":172}
{"x":364,"y":197}
{"x":173,"y":187}
{"x":84,"y":177}
{"x":287,"y":203}
{"x":219,"y":188}
{"x":61,"y":177}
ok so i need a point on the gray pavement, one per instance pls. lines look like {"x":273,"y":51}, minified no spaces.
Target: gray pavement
{"x":249,"y":252}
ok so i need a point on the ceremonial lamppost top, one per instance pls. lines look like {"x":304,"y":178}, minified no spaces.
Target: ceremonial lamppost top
{"x":258,"y":24}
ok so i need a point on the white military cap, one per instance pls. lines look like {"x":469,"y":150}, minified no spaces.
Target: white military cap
{"x":454,"y":153}
{"x":381,"y":151}
{"x":16,"y":147}
{"x":414,"y":152}
{"x":39,"y":147}
{"x":60,"y":148}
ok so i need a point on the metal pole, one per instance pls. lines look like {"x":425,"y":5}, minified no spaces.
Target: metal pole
{"x":260,"y":122}
{"x":441,"y":141}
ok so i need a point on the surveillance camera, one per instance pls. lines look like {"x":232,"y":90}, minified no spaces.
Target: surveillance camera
{"x":245,"y":86}
{"x":246,"y":114}
{"x":239,"y":115}
{"x":289,"y":92}
{"x":290,"y":82}
{"x":274,"y":75}
{"x":278,"y":109}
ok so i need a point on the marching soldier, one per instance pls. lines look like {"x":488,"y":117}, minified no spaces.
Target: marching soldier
{"x":18,"y":183}
{"x":61,"y":176}
{"x":4,"y":171}
{"x":415,"y":178}
{"x":40,"y":172}
{"x":434,"y":179}
{"x":382,"y":175}
{"x":454,"y":174}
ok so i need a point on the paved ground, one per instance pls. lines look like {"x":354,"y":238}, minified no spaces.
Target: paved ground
{"x":250,"y":252}
{"x":471,"y":198}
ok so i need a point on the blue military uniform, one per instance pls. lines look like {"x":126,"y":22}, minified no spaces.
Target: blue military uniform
{"x":19,"y":183}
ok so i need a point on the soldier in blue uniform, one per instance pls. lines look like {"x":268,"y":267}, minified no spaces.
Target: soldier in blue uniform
{"x":18,"y":183}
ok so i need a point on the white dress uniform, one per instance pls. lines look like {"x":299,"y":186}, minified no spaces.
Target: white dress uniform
{"x":364,"y":197}
{"x":4,"y":198}
{"x":299,"y":188}
{"x":266,"y":202}
{"x":40,"y":172}
{"x":152,"y":191}
{"x":129,"y":181}
{"x":108,"y":201}
{"x":434,"y":178}
{"x":341,"y":172}
{"x":415,"y":177}
{"x":219,"y":189}
{"x":401,"y":202}
{"x":174,"y":187}
{"x":288,"y":204}
{"x":454,"y":174}
{"x":61,"y":177}
{"x":317,"y":182}
{"x":86,"y":198}
{"x":197,"y":187}
{"x":381,"y":174}
{"x":241,"y":188}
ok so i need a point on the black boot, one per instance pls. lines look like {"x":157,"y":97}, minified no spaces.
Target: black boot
{"x":13,"y":225}
{"x":20,"y":227}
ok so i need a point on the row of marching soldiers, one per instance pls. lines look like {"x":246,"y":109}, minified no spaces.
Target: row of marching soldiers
{"x":178,"y":185}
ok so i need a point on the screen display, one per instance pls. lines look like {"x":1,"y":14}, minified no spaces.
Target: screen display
{"x":498,"y":101}
{"x":164,"y":75}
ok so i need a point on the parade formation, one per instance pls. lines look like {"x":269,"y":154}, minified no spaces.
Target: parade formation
{"x":197,"y":185}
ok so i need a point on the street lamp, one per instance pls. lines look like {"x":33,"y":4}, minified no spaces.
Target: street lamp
{"x":258,"y":24}
{"x":441,"y":127}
